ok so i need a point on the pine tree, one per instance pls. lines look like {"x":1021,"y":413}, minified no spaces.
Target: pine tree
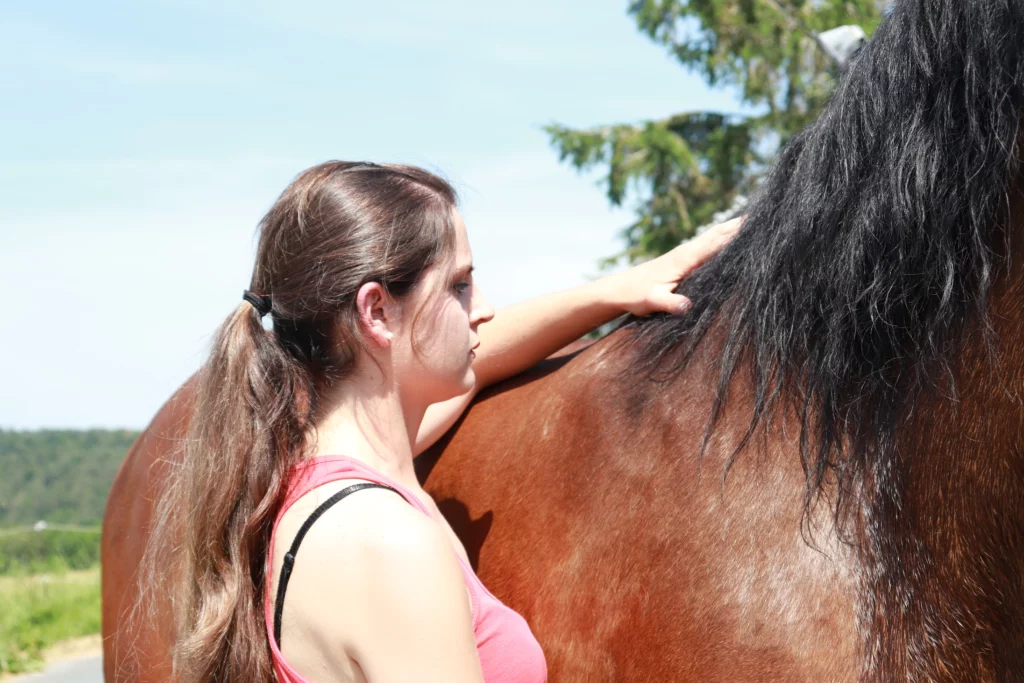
{"x":682,"y":170}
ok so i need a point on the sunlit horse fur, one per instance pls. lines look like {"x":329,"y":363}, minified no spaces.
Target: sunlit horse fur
{"x":817,"y":474}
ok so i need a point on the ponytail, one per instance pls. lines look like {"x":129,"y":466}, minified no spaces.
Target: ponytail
{"x":250,"y":417}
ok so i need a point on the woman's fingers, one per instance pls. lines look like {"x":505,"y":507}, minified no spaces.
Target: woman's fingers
{"x":663,"y":299}
{"x":648,"y":287}
{"x":696,"y":251}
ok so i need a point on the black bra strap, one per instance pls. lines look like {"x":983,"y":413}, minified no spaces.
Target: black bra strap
{"x":289,"y":558}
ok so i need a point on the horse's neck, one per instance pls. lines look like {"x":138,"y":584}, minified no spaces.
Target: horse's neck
{"x":943,"y":595}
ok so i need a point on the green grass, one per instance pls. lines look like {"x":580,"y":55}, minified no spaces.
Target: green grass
{"x":37,"y":612}
{"x":62,"y":477}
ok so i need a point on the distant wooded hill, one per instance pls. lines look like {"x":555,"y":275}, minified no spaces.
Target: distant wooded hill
{"x":60,"y":476}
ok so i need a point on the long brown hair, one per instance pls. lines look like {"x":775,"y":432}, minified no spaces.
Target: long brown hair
{"x":336,"y":227}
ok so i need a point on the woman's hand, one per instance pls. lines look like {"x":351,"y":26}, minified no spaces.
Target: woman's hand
{"x":647,"y":288}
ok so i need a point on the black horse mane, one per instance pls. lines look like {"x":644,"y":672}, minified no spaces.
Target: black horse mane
{"x":871,"y":245}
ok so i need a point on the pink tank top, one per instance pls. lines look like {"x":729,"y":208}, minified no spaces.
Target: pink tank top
{"x":508,"y":651}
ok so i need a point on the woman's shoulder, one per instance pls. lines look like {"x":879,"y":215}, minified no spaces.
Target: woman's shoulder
{"x":377,"y":574}
{"x":370,"y":520}
{"x":371,"y":536}
{"x":367,"y":519}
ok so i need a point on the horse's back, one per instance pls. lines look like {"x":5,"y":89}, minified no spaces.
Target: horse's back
{"x":589,"y":512}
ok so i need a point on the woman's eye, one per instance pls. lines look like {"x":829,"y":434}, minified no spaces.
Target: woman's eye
{"x":461,"y":287}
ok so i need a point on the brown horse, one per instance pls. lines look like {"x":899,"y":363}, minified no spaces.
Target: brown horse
{"x":817,"y":474}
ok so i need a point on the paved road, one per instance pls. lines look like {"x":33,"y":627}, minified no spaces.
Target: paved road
{"x":84,"y":670}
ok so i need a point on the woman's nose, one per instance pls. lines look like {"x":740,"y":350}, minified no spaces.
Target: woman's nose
{"x":482,"y":311}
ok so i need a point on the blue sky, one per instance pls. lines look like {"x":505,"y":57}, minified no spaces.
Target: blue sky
{"x":143,"y":141}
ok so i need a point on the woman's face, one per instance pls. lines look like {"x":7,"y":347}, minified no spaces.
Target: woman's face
{"x":432,"y":354}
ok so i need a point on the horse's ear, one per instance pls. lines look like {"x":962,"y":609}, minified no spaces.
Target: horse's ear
{"x":843,"y":43}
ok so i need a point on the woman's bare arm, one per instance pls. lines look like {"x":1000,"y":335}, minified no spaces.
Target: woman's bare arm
{"x":523,"y":334}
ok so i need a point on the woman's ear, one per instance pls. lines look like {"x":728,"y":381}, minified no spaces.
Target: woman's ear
{"x":376,"y":312}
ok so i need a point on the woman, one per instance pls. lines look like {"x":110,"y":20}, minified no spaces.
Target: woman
{"x":380,"y":340}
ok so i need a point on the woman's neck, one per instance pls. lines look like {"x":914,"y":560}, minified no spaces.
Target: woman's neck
{"x":365,"y":418}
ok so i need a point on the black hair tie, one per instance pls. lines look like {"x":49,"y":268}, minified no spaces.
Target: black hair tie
{"x":261,"y":303}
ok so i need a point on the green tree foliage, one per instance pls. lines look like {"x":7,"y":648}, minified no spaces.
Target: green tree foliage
{"x":61,"y":476}
{"x":52,"y":550}
{"x":681,"y":170}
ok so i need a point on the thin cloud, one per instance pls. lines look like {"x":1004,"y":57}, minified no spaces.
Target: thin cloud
{"x":31,"y":45}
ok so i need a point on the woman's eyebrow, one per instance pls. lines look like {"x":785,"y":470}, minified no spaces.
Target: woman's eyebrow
{"x":464,"y":271}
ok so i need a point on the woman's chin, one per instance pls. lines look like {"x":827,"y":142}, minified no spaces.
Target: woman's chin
{"x":456,"y":386}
